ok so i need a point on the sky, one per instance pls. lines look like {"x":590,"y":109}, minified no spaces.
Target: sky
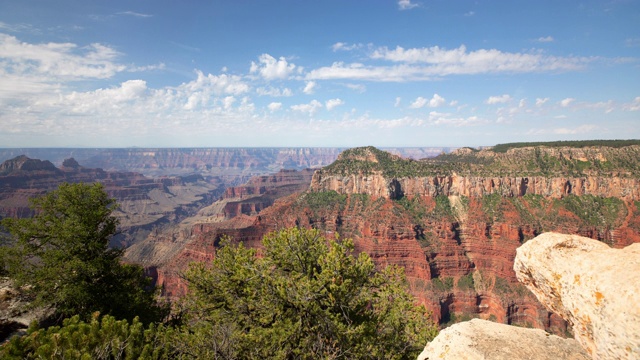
{"x":344,"y":73}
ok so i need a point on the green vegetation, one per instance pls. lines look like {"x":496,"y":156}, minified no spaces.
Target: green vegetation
{"x":105,"y":338}
{"x":540,"y":159}
{"x":466,"y":282}
{"x":502,"y":148}
{"x":442,"y":285}
{"x":369,"y":160}
{"x":307,"y":297}
{"x":491,"y":206}
{"x":414,"y":207}
{"x":595,"y":211}
{"x":304,"y":297}
{"x":324,"y":199}
{"x":62,"y":254}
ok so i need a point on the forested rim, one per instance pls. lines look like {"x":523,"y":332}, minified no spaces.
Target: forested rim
{"x":501,"y":148}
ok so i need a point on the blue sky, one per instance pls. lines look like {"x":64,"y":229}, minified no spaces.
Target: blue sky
{"x":317,"y":73}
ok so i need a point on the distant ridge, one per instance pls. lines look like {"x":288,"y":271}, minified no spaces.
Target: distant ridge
{"x":501,"y":148}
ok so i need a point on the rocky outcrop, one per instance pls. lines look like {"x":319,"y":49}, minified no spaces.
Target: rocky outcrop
{"x":594,"y":287}
{"x":23,"y":164}
{"x":481,"y":339}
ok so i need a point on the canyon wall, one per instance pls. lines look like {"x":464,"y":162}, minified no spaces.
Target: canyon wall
{"x":453,"y":225}
{"x":144,"y":203}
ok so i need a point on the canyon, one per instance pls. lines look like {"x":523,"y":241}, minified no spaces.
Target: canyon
{"x":454,"y":225}
{"x":453,"y":221}
{"x":219,"y":162}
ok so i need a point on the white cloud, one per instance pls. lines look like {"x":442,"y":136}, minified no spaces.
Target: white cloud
{"x":340,"y":46}
{"x":566,"y":102}
{"x":274,"y":92}
{"x":310,"y":108}
{"x":498,"y":99}
{"x":438,"y":118}
{"x":216,"y":84}
{"x":397,"y":102}
{"x":356,"y":87}
{"x":418,"y":103}
{"x":545,"y":39}
{"x":470,"y":13}
{"x":332,"y":103}
{"x":436,"y":101}
{"x":541,"y":101}
{"x":274,"y":106}
{"x":522,"y":103}
{"x":228,"y":102}
{"x":634,"y":105}
{"x":309,"y":87}
{"x":406,"y":4}
{"x":419,"y":64}
{"x":271,"y":68}
{"x":135,"y":14}
{"x":57,"y":61}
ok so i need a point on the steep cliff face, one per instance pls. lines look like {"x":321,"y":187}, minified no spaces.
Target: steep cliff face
{"x":518,"y":172}
{"x":470,"y":210}
{"x":454,"y":225}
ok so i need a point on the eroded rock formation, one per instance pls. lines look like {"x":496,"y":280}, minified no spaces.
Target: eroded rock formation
{"x":457,"y":250}
{"x":594,"y":287}
{"x":481,"y":339}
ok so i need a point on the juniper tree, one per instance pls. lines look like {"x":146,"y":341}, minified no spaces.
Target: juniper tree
{"x":62,"y":259}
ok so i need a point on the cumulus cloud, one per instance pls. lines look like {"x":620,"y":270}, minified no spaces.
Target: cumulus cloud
{"x":435,"y":101}
{"x":271,"y":68}
{"x":406,"y":4}
{"x":418,"y":103}
{"x":309,"y":87}
{"x":310,"y":108}
{"x":498,"y":99}
{"x":397,"y":102}
{"x":332,"y":103}
{"x":545,"y":39}
{"x":541,"y":101}
{"x":274,"y":106}
{"x":566,"y":102}
{"x":418,"y":64}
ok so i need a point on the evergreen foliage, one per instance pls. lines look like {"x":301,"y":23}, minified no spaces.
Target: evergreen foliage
{"x":306,"y":297}
{"x":62,"y":258}
{"x":502,"y":148}
{"x":105,"y":338}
